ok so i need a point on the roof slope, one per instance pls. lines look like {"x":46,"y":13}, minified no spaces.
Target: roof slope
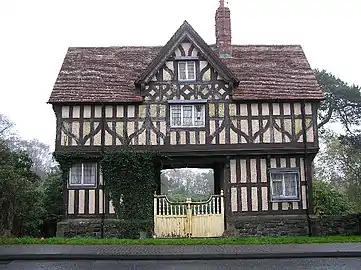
{"x":107,"y":74}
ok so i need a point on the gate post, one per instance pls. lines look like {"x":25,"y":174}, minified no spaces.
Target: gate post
{"x":189,"y":217}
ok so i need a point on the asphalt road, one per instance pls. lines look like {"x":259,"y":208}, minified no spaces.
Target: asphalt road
{"x":265,"y":264}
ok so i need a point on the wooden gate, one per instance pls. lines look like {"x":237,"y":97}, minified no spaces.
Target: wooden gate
{"x":188,"y":219}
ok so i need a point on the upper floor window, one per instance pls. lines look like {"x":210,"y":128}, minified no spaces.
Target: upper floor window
{"x":285,"y":184}
{"x":187,"y":115}
{"x":83,"y":174}
{"x":186,"y":70}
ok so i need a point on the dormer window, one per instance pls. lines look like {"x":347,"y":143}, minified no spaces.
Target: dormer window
{"x":187,"y":70}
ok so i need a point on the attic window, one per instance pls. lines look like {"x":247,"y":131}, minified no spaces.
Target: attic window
{"x":187,"y":70}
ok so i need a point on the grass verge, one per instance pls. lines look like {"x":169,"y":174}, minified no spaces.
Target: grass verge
{"x":181,"y":241}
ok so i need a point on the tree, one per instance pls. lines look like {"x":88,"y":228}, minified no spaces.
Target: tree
{"x":342,"y":101}
{"x":5,"y":126}
{"x":329,"y":201}
{"x":340,"y":164}
{"x":180,"y":184}
{"x":20,"y":197}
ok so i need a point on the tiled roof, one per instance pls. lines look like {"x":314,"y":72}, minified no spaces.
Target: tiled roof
{"x":107,"y":74}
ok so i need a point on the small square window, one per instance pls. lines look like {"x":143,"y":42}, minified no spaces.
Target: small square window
{"x":83,"y":174}
{"x":284,"y":184}
{"x":187,"y":71}
{"x":188,"y":115}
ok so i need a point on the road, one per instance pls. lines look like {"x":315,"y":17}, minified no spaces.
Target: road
{"x":264,"y":264}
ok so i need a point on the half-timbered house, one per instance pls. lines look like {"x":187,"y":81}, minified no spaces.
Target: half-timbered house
{"x":247,"y":111}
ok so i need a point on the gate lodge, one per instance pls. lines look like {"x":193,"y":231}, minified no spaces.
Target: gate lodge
{"x":249,"y":112}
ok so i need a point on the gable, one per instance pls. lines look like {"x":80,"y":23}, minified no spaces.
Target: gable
{"x":186,"y":44}
{"x":187,"y":51}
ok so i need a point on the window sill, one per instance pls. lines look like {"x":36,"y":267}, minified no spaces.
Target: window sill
{"x":285,"y":199}
{"x":82,"y":186}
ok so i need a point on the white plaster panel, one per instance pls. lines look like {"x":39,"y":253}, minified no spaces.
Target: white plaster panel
{"x":233,"y":171}
{"x":120,"y":111}
{"x":286,"y":109}
{"x":255,"y":129}
{"x":244,"y":126}
{"x":275,"y":206}
{"x":276,"y":108}
{"x":131,"y":110}
{"x":244,"y":199}
{"x":253,"y":171}
{"x":243,"y":166}
{"x":254,"y":109}
{"x":232,"y":109}
{"x":254,"y":197}
{"x":81,"y":206}
{"x":293,"y":162}
{"x":65,"y":111}
{"x":111,"y":208}
{"x":87,"y":111}
{"x":283,"y":163}
{"x":267,"y":133}
{"x":101,"y":208}
{"x":76,"y":112}
{"x":264,"y":199}
{"x":295,"y":205}
{"x":182,"y":137}
{"x":222,"y":137}
{"x":71,"y":202}
{"x":265,"y":109}
{"x":285,"y":206}
{"x":109,"y":111}
{"x":202,"y":137}
{"x":92,"y":201}
{"x":297,"y":108}
{"x":142,"y":139}
{"x":304,"y":201}
{"x":234,"y":199}
{"x":173,"y":138}
{"x":308,"y":108}
{"x":244,"y":110}
{"x":153,"y":138}
{"x":263,"y":168}
{"x":98,"y":111}
{"x":192,"y":137}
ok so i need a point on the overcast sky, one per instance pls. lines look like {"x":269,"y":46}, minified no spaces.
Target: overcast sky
{"x":36,"y":34}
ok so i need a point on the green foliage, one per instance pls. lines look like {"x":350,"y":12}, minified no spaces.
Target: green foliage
{"x":130,"y":180}
{"x":343,"y":101}
{"x":328,"y":200}
{"x":180,"y":184}
{"x":53,"y":196}
{"x":20,"y":197}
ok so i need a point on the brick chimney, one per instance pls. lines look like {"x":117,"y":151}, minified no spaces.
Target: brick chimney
{"x":223,"y":31}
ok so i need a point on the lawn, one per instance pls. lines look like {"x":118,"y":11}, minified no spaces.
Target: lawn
{"x":182,"y":241}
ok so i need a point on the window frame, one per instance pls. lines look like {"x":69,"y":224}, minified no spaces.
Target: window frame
{"x":172,"y":105}
{"x":284,"y":198}
{"x":82,"y":184}
{"x":186,"y":70}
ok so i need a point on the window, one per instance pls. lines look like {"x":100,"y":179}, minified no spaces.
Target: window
{"x":285,"y":184}
{"x":189,"y":115}
{"x":83,"y":174}
{"x":187,"y":70}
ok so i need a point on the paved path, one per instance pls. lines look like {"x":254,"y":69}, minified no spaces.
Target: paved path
{"x":266,"y":264}
{"x":169,"y":252}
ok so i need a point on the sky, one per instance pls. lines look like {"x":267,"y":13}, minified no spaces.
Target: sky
{"x":35,"y":35}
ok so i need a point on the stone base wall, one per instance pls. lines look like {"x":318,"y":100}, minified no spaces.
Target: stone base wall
{"x":93,"y":228}
{"x":270,"y":226}
{"x":245,"y":226}
{"x":337,"y":225}
{"x":289,"y":225}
